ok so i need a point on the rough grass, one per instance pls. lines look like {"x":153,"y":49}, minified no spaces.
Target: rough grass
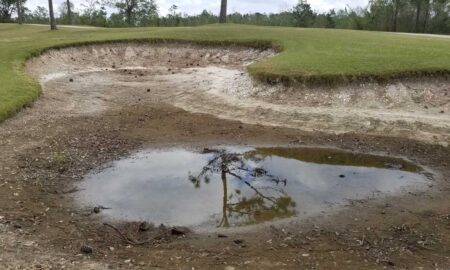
{"x":307,"y":55}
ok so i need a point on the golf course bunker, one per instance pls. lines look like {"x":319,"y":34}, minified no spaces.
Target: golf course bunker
{"x":214,"y":80}
{"x":238,"y":186}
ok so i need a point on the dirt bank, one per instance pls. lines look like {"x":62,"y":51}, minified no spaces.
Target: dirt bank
{"x":100,"y":103}
{"x":214,"y":81}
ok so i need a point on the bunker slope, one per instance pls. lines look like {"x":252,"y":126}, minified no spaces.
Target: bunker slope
{"x":213,"y":80}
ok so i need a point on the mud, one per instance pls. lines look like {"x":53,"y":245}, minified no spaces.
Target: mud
{"x":102,"y":103}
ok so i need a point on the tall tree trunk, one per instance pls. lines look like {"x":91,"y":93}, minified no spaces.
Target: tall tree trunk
{"x":52,"y":15}
{"x":396,"y":8}
{"x":19,"y":11}
{"x":419,"y":5}
{"x":388,"y":19}
{"x":128,"y":14}
{"x":69,"y":12}
{"x":426,"y":15}
{"x":223,"y":12}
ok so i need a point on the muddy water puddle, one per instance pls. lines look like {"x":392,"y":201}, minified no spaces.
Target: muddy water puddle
{"x":238,"y":186}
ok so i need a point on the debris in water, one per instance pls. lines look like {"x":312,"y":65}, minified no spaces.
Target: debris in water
{"x":98,"y":209}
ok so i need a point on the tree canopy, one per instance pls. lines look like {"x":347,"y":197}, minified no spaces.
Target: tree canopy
{"x":423,"y":16}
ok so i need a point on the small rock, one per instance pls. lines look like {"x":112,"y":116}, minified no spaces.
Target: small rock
{"x":179,"y":231}
{"x":238,"y":241}
{"x":390,"y":263}
{"x":28,"y":243}
{"x":394,"y":166}
{"x":144,"y":226}
{"x":85,"y":249}
{"x":229,"y":268}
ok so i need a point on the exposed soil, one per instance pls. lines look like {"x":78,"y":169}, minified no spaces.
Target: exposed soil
{"x":100,"y":103}
{"x":214,"y":81}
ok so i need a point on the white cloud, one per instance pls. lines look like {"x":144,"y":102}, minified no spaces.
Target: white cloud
{"x":243,"y":6}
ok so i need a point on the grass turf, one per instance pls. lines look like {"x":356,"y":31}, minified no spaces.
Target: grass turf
{"x":307,"y":55}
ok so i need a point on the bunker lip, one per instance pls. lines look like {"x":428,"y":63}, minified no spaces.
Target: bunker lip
{"x":291,"y":80}
{"x":69,"y":131}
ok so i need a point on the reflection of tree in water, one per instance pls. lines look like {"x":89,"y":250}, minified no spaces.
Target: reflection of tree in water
{"x":269,"y":201}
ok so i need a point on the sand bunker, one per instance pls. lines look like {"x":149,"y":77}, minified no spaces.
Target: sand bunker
{"x":213,"y":80}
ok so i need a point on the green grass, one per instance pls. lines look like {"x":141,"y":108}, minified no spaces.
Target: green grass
{"x":307,"y":55}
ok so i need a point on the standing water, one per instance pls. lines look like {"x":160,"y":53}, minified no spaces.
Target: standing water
{"x":238,"y":186}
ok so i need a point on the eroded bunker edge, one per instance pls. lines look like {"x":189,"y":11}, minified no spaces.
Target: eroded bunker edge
{"x":292,"y":80}
{"x":272,"y":78}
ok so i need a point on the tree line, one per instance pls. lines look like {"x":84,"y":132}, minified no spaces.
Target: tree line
{"x":421,"y":16}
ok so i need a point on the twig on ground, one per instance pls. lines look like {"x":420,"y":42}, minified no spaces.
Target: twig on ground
{"x":130,"y":240}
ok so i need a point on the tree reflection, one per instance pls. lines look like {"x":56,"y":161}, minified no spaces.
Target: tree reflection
{"x":260,"y":196}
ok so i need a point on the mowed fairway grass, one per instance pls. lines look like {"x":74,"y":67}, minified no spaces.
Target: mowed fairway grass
{"x":306,"y":55}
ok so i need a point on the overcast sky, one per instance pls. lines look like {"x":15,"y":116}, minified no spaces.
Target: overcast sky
{"x":243,"y":6}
